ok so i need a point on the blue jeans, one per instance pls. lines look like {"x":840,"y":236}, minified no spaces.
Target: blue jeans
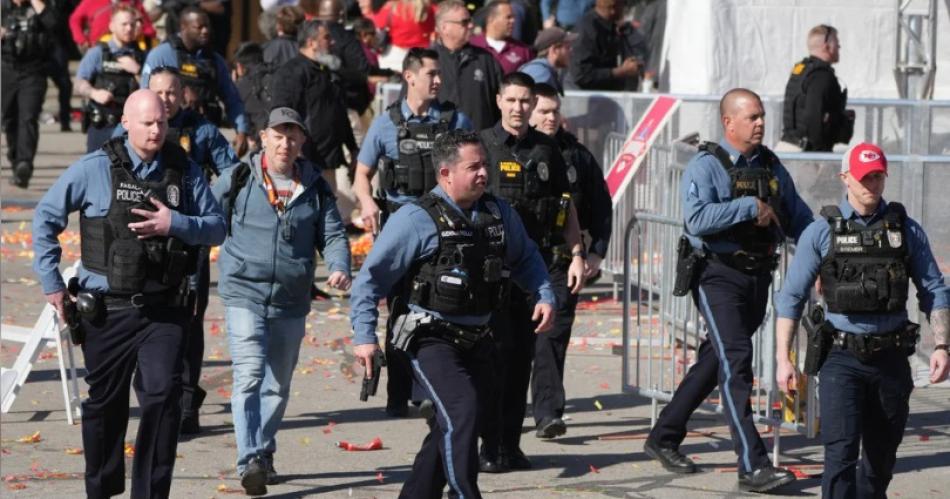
{"x":263,"y":356}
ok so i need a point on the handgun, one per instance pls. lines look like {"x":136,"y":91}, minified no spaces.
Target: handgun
{"x":372,"y":382}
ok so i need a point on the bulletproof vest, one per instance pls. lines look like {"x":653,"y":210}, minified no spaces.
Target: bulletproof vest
{"x":25,"y":39}
{"x":201,"y":76}
{"x":464,"y":275}
{"x":110,"y":248}
{"x":412,"y":173}
{"x":524,"y":180}
{"x":759,"y":182}
{"x":793,"y":112}
{"x":866,"y":268}
{"x":568,"y":145}
{"x":116,"y":80}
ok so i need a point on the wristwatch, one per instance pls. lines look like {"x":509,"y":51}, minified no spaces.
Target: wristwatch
{"x":943,"y":346}
{"x":580,"y":253}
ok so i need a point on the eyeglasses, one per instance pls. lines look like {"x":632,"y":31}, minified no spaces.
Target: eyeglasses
{"x":828,"y":32}
{"x":465,"y":23}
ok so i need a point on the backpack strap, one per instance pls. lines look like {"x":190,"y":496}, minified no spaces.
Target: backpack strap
{"x":239,"y":177}
{"x":118,"y":155}
{"x":720,"y":154}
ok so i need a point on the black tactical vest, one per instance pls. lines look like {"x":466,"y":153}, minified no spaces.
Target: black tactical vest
{"x":464,"y":276}
{"x":866,"y":268}
{"x":24,"y":39}
{"x":761,"y":183}
{"x":794,"y":129}
{"x":201,"y":76}
{"x":119,"y":82}
{"x":110,"y":248}
{"x":413,"y":174}
{"x":524,"y":180}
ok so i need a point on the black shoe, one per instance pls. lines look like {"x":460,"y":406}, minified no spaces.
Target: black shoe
{"x":398,"y":410}
{"x":765,"y":479}
{"x":254,"y":478}
{"x":515,"y":459}
{"x":21,"y":175}
{"x":490,"y":463}
{"x":427,"y":409}
{"x":190,"y":425}
{"x":272,"y":477}
{"x":550,"y":428}
{"x":671,"y":459}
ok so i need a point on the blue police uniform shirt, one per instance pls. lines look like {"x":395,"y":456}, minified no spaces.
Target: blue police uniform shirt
{"x":87,"y":185}
{"x":381,"y":139}
{"x":814,"y":245}
{"x":91,"y":63}
{"x":165,"y":55}
{"x":411,"y":235}
{"x":207,"y":142}
{"x":708,"y":207}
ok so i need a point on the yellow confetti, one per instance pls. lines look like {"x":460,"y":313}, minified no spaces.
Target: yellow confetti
{"x":30,"y":439}
{"x":598,"y":405}
{"x":73,"y":451}
{"x":305,"y":440}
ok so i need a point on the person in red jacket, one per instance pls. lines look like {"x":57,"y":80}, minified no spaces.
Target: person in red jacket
{"x":499,"y":25}
{"x":410,"y":24}
{"x":90,"y":21}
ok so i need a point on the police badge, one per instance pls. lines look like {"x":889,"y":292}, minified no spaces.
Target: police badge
{"x":572,"y":174}
{"x":173,"y":195}
{"x":543,"y":172}
{"x":894,"y":238}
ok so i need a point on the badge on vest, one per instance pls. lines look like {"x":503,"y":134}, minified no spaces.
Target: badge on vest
{"x":894,"y":238}
{"x":543,"y":172}
{"x":189,"y":69}
{"x":511,"y":169}
{"x":572,"y":174}
{"x":173,"y":195}
{"x":185,"y":142}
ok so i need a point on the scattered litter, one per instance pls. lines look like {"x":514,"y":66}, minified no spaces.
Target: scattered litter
{"x":598,"y":405}
{"x":73,"y":451}
{"x":376,"y":444}
{"x":30,"y":439}
{"x":593,"y":469}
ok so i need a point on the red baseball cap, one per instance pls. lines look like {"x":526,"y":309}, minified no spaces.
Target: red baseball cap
{"x":862,"y":159}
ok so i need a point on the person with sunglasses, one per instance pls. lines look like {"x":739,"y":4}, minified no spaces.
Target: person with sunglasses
{"x":814,"y":116}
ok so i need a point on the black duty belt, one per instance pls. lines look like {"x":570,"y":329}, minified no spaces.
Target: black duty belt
{"x":463,"y":336}
{"x":748,"y":263}
{"x":140,"y":300}
{"x":866,"y":346}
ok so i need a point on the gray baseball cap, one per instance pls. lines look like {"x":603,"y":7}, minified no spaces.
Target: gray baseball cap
{"x":282,"y":115}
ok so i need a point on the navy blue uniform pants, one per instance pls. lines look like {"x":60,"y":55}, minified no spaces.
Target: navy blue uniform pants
{"x":142,"y":347}
{"x":733,"y":305}
{"x":192,"y":395}
{"x":863,"y":407}
{"x":452,"y":378}
{"x":550,"y":349}
{"x":399,"y":384}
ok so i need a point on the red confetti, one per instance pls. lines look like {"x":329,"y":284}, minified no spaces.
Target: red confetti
{"x":329,"y":428}
{"x":799,"y":474}
{"x":924,"y":438}
{"x":605,"y":386}
{"x":16,"y":486}
{"x":379,"y":477}
{"x":223,"y":392}
{"x":215,"y":329}
{"x":593,"y":469}
{"x":376,"y":444}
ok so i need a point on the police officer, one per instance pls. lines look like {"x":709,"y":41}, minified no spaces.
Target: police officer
{"x":402,"y":137}
{"x":528,"y":171}
{"x":865,"y":250}
{"x":595,"y":214}
{"x":739,"y":204}
{"x":108,"y":74}
{"x":204,"y":73}
{"x":208,"y":148}
{"x":144,"y":206}
{"x":27,"y":28}
{"x":451,"y":243}
{"x":814,"y":116}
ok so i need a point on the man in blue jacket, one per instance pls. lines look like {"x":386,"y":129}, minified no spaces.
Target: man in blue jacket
{"x":279,"y":210}
{"x":145,"y":207}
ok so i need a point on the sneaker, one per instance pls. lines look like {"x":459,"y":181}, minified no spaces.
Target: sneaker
{"x":670,"y":458}
{"x":254,"y":478}
{"x":272,"y":477}
{"x":550,"y":428}
{"x":765,"y":479}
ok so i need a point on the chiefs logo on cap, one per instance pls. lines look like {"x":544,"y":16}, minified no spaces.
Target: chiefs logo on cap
{"x":868,"y":156}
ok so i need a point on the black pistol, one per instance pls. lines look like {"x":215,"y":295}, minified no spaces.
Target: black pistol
{"x":371,"y":383}
{"x":819,"y":339}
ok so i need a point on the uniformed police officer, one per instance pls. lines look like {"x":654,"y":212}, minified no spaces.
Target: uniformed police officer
{"x":107,"y":75}
{"x":204,"y":73}
{"x":814,"y":116}
{"x":865,"y":251}
{"x":528,"y":171}
{"x":595,"y":214}
{"x":208,"y":148}
{"x":739,"y":204}
{"x":144,"y":208}
{"x":402,"y":137}
{"x":451,"y":244}
{"x":26,"y":28}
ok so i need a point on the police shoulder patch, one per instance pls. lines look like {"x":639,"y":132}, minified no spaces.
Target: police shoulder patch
{"x":798,"y":68}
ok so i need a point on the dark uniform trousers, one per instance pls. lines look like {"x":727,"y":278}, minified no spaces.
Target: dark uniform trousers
{"x":147,"y":343}
{"x":399,"y":384}
{"x":192,"y":395}
{"x":23,"y":93}
{"x":863,"y":406}
{"x":550,"y":349}
{"x":733,"y":304}
{"x":453,"y":378}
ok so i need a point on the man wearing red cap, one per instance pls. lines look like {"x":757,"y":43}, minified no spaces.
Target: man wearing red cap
{"x":865,"y":251}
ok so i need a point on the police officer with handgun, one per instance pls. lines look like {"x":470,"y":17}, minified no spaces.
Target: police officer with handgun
{"x":865,"y":251}
{"x":144,"y":208}
{"x":451,"y":245}
{"x":739,"y":205}
{"x":403,"y":137}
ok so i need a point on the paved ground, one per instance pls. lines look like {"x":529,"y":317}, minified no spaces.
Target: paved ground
{"x":601,"y":455}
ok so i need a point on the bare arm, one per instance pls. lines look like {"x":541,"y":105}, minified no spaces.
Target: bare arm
{"x":939,"y":361}
{"x":364,"y":194}
{"x":786,"y":374}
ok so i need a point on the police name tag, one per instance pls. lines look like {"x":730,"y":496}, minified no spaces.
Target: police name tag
{"x":510,"y":168}
{"x":455,"y":281}
{"x":189,"y":69}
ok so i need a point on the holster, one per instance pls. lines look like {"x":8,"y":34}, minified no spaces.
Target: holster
{"x":688,"y":266}
{"x":820,"y":338}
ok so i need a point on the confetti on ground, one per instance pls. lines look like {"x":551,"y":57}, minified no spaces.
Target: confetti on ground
{"x":379,"y":477}
{"x":329,"y":428}
{"x":305,"y":440}
{"x":375,"y":444}
{"x":30,"y":439}
{"x":924,"y":438}
{"x":605,"y":386}
{"x":73,"y":451}
{"x":593,"y":469}
{"x":16,"y":486}
{"x":598,"y":405}
{"x":224,"y":489}
{"x":129,"y":449}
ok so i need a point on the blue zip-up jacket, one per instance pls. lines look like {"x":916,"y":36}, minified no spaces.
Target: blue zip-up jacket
{"x":267,"y":261}
{"x":708,"y":206}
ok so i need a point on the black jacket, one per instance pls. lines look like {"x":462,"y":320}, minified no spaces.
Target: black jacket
{"x":354,"y":66}
{"x":28,"y":38}
{"x":589,"y":189}
{"x":312,"y":90}
{"x":280,"y":50}
{"x":470,"y":80}
{"x":596,"y":51}
{"x":815,"y":107}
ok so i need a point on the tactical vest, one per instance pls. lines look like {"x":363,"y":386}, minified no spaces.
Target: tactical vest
{"x":201,"y":76}
{"x":110,"y":248}
{"x":464,"y":276}
{"x":119,"y":82}
{"x":412,"y":173}
{"x":794,"y":129}
{"x":525,"y":182}
{"x":866,"y":268}
{"x":761,"y":183}
{"x":25,"y":40}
